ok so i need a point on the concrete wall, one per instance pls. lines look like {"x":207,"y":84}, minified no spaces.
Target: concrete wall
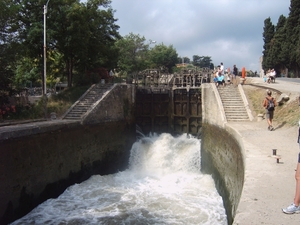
{"x":221,"y":152}
{"x":38,"y":161}
{"x":115,"y":105}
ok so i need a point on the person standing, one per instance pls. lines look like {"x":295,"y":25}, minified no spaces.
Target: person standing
{"x":222,"y":69}
{"x":272,"y":76}
{"x":269,"y":104}
{"x":234,"y":74}
{"x":243,"y":75}
{"x":295,"y":206}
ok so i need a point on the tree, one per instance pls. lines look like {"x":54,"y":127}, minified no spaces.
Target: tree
{"x":278,"y":52}
{"x":84,"y":34}
{"x":9,"y":48}
{"x":162,"y":56}
{"x":132,"y":53}
{"x":197,"y":60}
{"x":293,"y":32}
{"x":268,"y":35}
{"x":81,"y":34}
{"x":202,"y":61}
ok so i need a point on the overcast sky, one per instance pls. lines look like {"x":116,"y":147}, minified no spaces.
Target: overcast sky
{"x":229,"y":31}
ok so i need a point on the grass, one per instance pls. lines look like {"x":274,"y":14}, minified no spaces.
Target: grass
{"x":61,"y":102}
{"x":287,"y":113}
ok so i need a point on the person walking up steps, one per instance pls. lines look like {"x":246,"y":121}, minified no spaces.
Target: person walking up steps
{"x":295,"y":207}
{"x":269,"y":104}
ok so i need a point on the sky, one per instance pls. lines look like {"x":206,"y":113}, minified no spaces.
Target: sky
{"x":229,"y":31}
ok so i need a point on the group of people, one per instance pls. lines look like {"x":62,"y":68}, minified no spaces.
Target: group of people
{"x":221,"y":76}
{"x":270,"y":76}
{"x":269,"y":104}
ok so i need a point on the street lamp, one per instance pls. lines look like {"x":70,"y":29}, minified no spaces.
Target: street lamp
{"x":45,"y":67}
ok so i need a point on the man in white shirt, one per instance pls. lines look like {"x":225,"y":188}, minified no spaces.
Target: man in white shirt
{"x":272,"y":76}
{"x":222,"y":69}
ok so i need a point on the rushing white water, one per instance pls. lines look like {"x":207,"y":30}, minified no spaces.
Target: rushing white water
{"x":163,"y":185}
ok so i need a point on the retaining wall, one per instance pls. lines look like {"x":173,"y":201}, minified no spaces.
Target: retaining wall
{"x":222,"y":152}
{"x":40,"y":160}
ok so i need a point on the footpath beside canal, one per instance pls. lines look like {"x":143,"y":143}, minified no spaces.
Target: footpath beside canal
{"x":269,"y":186}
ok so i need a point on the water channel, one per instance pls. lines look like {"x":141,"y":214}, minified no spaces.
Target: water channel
{"x":163,"y":185}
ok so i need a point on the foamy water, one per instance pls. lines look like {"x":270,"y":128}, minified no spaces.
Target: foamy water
{"x":163,"y":185}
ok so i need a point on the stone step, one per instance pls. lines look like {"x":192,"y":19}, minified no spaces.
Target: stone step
{"x":82,"y":107}
{"x":79,"y":110}
{"x":237,"y":120}
{"x":74,"y":116}
{"x":232,"y":101}
{"x":233,"y":104}
{"x":88,"y":101}
{"x":236,"y":110}
{"x":236,"y":116}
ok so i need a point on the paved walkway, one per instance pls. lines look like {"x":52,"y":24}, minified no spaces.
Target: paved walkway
{"x":269,"y":186}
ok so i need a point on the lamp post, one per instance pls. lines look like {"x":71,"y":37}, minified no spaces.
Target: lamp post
{"x":45,"y":66}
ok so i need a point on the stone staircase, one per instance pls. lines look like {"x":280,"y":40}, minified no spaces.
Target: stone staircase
{"x":233,"y":104}
{"x":86,"y":102}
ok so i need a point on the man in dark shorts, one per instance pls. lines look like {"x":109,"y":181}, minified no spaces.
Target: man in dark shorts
{"x":269,"y":112}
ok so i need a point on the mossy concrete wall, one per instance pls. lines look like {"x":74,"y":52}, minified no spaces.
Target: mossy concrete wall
{"x":222,"y":152}
{"x":38,"y":161}
{"x":117,"y":104}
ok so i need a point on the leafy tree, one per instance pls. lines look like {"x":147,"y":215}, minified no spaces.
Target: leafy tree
{"x":268,"y":35}
{"x":162,"y":56}
{"x":202,"y":61}
{"x":186,"y":60}
{"x":9,"y":48}
{"x":132,"y":53}
{"x":84,"y":33}
{"x":197,"y":60}
{"x":81,"y":34}
{"x":27,"y":70}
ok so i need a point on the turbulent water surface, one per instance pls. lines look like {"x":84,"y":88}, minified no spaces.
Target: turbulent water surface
{"x":163,"y":185}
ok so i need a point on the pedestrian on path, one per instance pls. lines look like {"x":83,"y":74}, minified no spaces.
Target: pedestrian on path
{"x":269,"y":104}
{"x":243,"y":75}
{"x":295,"y":207}
{"x":234,"y":74}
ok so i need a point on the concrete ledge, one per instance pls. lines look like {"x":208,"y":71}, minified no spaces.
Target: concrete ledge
{"x":27,"y":129}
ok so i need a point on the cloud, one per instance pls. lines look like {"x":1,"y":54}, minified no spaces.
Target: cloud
{"x":227,"y":30}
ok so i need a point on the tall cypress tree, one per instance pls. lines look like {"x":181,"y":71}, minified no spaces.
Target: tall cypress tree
{"x":293,"y":31}
{"x":278,"y":53}
{"x":268,"y":35}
